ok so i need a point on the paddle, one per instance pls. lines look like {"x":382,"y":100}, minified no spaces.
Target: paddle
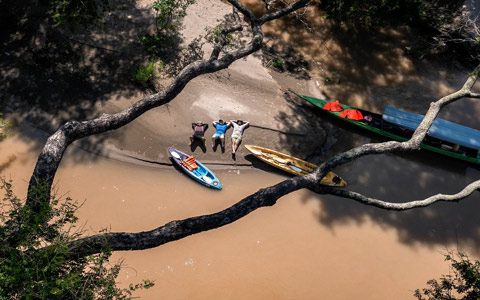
{"x":207,"y":179}
{"x":176,"y":155}
{"x":288,"y":163}
{"x":295,"y":168}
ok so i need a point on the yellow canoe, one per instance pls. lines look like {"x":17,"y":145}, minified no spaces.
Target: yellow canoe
{"x":292,"y":164}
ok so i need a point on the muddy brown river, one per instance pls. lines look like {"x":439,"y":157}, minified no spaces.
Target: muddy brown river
{"x":305,"y":247}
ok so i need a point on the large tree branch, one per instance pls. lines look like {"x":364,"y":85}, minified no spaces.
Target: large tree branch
{"x":52,"y":153}
{"x":222,"y":40}
{"x":283,"y":12}
{"x":176,"y":230}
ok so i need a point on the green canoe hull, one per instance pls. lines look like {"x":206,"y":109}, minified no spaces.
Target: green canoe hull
{"x":387,"y":133}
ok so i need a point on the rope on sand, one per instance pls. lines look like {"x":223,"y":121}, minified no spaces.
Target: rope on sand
{"x":279,"y":131}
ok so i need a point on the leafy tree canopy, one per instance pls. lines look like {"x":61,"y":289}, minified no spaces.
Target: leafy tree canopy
{"x":34,"y":259}
{"x":463,"y":282}
{"x":85,"y":13}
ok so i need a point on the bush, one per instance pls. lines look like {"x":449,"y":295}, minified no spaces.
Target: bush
{"x":34,"y":259}
{"x":3,"y":126}
{"x":86,"y":13}
{"x":144,"y":74}
{"x":463,"y":282}
{"x":278,"y":63}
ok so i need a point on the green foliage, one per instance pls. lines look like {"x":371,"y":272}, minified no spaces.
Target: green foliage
{"x":368,"y":13}
{"x":168,"y":17}
{"x":152,"y":44}
{"x":144,"y":74}
{"x":34,"y":259}
{"x":85,"y":13}
{"x":169,"y":13}
{"x":168,"y":20}
{"x":213,"y":35}
{"x":3,"y":125}
{"x":463,"y":282}
{"x":278,"y":63}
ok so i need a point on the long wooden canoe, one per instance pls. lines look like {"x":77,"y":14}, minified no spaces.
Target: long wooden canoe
{"x":292,"y":165}
{"x":452,"y":139}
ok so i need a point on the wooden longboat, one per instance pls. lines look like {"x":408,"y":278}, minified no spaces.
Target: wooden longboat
{"x":292,"y":165}
{"x":446,"y":138}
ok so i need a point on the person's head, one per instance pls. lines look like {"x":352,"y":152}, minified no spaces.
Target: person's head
{"x":199,"y":123}
{"x":220,"y":121}
{"x":239,"y":122}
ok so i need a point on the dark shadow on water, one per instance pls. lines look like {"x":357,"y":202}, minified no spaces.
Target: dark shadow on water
{"x":400,"y":179}
{"x":395,"y":177}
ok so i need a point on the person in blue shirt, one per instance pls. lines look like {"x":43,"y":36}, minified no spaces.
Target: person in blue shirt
{"x":220,"y":129}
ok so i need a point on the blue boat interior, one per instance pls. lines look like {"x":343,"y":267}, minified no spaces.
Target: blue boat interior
{"x":440,"y":129}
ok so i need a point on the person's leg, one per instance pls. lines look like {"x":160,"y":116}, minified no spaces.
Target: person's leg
{"x":191,"y":140}
{"x":213,"y":142}
{"x":204,"y":140}
{"x":238,"y":140}
{"x":222,"y":140}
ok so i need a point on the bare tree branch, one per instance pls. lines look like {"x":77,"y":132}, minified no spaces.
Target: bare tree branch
{"x":474,"y":95}
{"x":176,"y":230}
{"x":52,"y":153}
{"x":467,"y":191}
{"x":283,"y":12}
{"x":223,"y":40}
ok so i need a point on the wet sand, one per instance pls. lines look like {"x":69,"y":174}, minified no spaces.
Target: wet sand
{"x":305,"y":247}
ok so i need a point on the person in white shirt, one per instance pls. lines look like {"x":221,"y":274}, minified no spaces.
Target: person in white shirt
{"x":238,"y":127}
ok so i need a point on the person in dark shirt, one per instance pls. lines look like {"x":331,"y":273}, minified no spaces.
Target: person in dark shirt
{"x":198,"y":132}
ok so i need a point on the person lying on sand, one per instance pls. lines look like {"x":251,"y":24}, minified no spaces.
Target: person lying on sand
{"x":198,"y":132}
{"x":238,"y":127}
{"x":221,"y":127}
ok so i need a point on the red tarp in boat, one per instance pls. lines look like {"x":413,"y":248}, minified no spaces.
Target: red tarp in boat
{"x":351,"y":114}
{"x":333,"y":106}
